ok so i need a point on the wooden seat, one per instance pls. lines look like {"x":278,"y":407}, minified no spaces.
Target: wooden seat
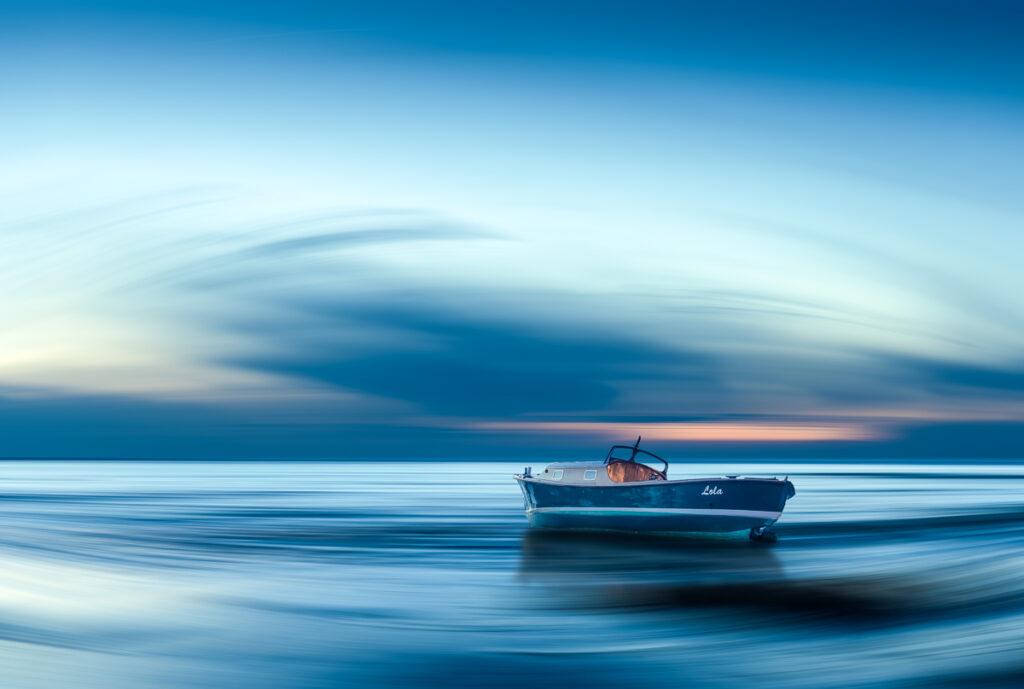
{"x":628,"y":472}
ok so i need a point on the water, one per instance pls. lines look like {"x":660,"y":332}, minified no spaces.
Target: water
{"x":308,"y":575}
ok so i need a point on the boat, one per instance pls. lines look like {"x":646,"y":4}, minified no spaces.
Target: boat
{"x":625,"y":493}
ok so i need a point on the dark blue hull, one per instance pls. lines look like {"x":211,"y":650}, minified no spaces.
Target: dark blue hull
{"x":693,"y":505}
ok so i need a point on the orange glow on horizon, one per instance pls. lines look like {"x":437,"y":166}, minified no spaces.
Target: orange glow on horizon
{"x":697,"y":431}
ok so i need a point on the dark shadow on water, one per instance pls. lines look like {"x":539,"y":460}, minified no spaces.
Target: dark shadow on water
{"x":620,"y":571}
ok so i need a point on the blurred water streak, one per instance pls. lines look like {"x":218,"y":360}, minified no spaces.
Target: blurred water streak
{"x":323,"y":574}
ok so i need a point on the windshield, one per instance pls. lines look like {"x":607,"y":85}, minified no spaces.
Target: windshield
{"x":632,"y":453}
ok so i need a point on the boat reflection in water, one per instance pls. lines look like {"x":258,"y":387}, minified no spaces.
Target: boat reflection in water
{"x":622,"y":570}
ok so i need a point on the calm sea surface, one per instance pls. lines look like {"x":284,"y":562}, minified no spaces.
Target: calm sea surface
{"x":301,"y":575}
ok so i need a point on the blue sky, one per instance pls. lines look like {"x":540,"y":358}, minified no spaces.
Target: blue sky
{"x":487,"y":229}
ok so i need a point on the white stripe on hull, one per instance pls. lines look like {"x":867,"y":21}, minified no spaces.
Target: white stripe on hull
{"x":654,"y":511}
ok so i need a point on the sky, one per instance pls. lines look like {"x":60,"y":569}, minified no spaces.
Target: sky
{"x":502,"y":230}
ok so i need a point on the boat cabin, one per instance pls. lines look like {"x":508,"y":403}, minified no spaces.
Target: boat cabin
{"x":623,"y":464}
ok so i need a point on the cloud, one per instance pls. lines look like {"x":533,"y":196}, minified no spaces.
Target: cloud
{"x":353,"y":238}
{"x":48,"y":423}
{"x":470,"y":364}
{"x":951,"y":377}
{"x":302,"y":245}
